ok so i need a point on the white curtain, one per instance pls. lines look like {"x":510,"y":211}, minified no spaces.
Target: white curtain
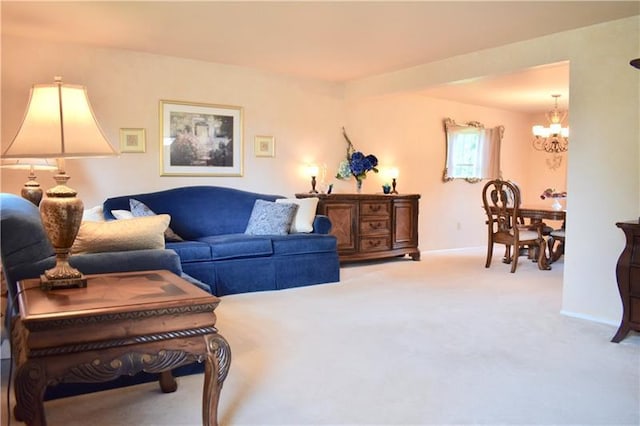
{"x":490,"y":141}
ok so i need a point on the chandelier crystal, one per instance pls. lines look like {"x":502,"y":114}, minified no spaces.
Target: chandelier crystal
{"x":555,"y":138}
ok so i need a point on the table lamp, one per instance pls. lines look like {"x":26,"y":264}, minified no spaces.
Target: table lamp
{"x":312,"y":171}
{"x":31,"y":189}
{"x":59,"y":124}
{"x":393,"y":174}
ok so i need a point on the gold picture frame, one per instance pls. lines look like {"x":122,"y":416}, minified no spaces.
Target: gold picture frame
{"x":133,"y":140}
{"x":264,"y":146}
{"x":198,"y":139}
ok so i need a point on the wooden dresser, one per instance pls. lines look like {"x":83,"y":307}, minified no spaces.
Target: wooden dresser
{"x":372,"y":226}
{"x":628,"y":275}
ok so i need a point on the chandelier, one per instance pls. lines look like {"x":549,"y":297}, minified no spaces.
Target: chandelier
{"x":555,"y":138}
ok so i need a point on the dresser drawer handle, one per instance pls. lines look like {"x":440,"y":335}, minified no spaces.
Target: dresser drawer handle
{"x":375,"y":208}
{"x":375,"y":225}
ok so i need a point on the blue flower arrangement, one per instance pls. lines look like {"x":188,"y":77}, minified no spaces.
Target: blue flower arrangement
{"x":357,"y":164}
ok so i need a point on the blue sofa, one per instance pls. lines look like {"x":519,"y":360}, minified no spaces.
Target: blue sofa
{"x":212,"y":221}
{"x":26,"y":252}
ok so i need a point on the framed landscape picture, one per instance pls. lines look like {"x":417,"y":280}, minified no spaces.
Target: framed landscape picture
{"x":200,"y":139}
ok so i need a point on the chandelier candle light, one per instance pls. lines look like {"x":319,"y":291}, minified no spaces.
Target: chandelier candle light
{"x":59,"y":123}
{"x":555,"y":138}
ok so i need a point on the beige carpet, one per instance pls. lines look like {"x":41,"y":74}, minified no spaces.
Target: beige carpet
{"x":440,"y":341}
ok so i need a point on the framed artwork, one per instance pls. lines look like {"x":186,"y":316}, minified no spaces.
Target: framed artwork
{"x":199,"y":139}
{"x":132,"y":140}
{"x":265,"y":146}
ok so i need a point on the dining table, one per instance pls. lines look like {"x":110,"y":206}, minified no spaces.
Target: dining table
{"x":538,"y":213}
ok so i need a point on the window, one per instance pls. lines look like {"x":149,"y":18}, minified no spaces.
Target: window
{"x":473,"y":152}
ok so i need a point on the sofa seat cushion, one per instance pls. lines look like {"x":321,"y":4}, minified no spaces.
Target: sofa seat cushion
{"x":233,"y":246}
{"x":191,"y":251}
{"x":303,"y":244}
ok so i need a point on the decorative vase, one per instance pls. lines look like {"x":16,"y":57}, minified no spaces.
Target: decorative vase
{"x":359,"y":186}
{"x":556,"y":204}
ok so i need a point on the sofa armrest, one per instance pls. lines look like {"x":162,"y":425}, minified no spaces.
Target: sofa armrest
{"x":127,"y":261}
{"x":322,"y":224}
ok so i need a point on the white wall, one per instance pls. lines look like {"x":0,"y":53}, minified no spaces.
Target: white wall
{"x":382,"y":116}
{"x":407,"y":131}
{"x":125,"y":87}
{"x":603,"y":164}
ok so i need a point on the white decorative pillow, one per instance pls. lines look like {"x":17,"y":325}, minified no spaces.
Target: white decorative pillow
{"x":140,"y":209}
{"x":118,"y":235}
{"x":93,"y":214}
{"x":269,"y":218}
{"x":122,"y":214}
{"x":303,"y":220}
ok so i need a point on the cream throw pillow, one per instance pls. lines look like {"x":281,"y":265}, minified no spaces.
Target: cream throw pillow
{"x":118,"y":235}
{"x":303,"y":220}
{"x":94,"y":214}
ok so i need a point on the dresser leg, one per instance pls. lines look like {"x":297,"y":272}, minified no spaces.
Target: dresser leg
{"x":216,"y":367}
{"x":622,"y":332}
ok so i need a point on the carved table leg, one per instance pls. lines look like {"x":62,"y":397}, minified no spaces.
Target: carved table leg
{"x":29,"y":390}
{"x":168,"y":383}
{"x":542,"y":256}
{"x":216,"y":367}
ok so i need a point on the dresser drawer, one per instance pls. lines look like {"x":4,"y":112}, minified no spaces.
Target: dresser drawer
{"x":375,"y":227}
{"x":634,"y":314}
{"x":370,"y":244}
{"x":375,"y":208}
{"x":634,"y":281}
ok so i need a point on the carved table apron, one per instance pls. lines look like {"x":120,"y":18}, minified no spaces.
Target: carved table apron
{"x":123,"y":323}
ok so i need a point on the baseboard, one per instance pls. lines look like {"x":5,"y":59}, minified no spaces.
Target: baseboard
{"x":589,"y":318}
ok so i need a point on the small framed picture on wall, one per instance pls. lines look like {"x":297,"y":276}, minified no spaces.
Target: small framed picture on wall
{"x":265,"y":146}
{"x":132,"y":140}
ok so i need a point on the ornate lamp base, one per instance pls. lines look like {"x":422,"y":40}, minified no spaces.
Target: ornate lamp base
{"x":61,"y":214}
{"x":32,"y":191}
{"x":58,"y":283}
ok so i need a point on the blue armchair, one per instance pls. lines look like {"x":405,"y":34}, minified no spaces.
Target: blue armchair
{"x":26,"y":252}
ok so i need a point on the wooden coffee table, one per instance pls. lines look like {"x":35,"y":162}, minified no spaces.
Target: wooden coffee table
{"x":121,"y":323}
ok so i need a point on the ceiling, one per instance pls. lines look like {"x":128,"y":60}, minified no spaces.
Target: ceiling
{"x":332,"y":41}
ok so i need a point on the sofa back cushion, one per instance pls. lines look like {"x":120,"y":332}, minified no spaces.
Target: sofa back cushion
{"x":197,"y":211}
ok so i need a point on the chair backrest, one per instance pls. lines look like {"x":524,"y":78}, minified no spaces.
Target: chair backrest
{"x":515,"y":185}
{"x":501,"y":201}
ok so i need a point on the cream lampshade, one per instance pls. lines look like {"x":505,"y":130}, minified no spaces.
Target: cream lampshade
{"x":59,"y":123}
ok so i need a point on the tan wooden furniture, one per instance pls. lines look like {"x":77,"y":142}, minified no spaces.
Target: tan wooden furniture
{"x":539,"y":213}
{"x":372,"y":226}
{"x":628,"y":276}
{"x":501,"y":201}
{"x":119,"y":324}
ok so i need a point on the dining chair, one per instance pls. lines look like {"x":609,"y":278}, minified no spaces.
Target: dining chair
{"x":501,"y":200}
{"x":546,"y":229}
{"x":556,"y":244}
